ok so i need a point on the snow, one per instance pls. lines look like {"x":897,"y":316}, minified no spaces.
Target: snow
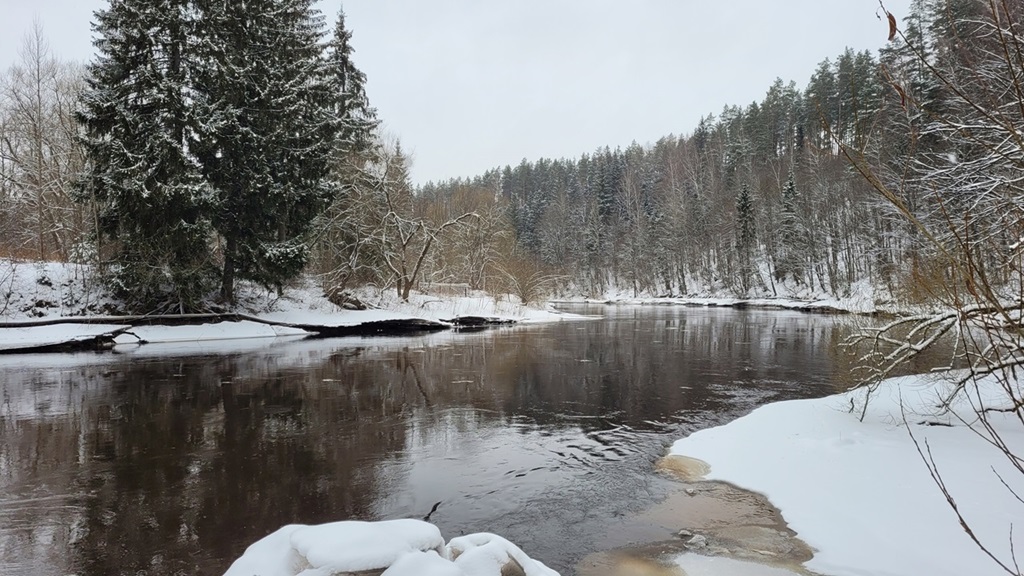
{"x":859,"y":492}
{"x":862,"y":298}
{"x":442,"y":307}
{"x":423,"y":564}
{"x":401,"y":547}
{"x":18,"y":338}
{"x":51,"y":290}
{"x":334,"y":319}
{"x":33,"y":290}
{"x":855,"y":306}
{"x":485,"y":555}
{"x":207,"y":332}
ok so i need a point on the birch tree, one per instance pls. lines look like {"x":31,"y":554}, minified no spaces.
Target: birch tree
{"x":39,"y":152}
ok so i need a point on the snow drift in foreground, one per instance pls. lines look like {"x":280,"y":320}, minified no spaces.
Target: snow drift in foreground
{"x":859,"y":492}
{"x":398,"y":547}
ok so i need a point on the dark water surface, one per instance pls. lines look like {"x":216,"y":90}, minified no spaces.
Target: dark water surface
{"x":171,"y":459}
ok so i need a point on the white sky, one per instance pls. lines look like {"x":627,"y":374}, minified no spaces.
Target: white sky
{"x":475,"y":84}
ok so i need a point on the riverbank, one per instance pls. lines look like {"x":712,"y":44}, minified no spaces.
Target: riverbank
{"x":861,"y":298}
{"x":824,"y":305}
{"x":52,"y":306}
{"x":860,"y":494}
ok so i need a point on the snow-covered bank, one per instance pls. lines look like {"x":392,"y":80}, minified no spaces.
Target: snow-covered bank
{"x":859,"y":492}
{"x":48,"y":290}
{"x":862,"y":298}
{"x":15,"y":339}
{"x":206,"y":332}
{"x":396,"y":547}
{"x":822,"y":305}
{"x":34,"y":290}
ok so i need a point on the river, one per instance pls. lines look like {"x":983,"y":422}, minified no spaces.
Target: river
{"x":171,"y":459}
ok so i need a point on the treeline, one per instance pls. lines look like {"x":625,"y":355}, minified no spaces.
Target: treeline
{"x":771,"y":198}
{"x":209,"y":143}
{"x":754,"y":200}
{"x":196,"y":149}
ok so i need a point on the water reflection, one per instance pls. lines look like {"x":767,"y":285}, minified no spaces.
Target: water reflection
{"x":172,"y":460}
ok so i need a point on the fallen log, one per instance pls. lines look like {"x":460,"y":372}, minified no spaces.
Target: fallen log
{"x":78,"y":343}
{"x":478,"y":321}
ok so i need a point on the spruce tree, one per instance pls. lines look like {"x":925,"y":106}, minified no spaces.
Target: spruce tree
{"x":268,"y":145}
{"x":788,"y":232}
{"x":745,"y":240}
{"x":357,"y":119}
{"x":136,"y":113}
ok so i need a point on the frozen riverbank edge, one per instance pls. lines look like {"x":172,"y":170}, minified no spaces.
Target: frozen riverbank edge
{"x":55,"y":307}
{"x":820,"y":306}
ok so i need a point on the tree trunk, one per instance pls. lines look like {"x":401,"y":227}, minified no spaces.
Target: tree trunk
{"x":227,"y":285}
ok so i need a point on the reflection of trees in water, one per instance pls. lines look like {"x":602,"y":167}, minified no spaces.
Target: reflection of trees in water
{"x":195,"y":459}
{"x":698,"y":363}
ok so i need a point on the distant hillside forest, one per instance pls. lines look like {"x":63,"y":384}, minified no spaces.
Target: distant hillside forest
{"x":783,"y":195}
{"x":822,"y":190}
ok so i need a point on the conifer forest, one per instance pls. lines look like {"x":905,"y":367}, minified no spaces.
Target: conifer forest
{"x":199,"y":148}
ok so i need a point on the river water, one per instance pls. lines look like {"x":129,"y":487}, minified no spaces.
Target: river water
{"x":171,"y":459}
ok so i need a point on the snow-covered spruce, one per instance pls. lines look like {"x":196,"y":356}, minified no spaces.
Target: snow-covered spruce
{"x":391,"y":548}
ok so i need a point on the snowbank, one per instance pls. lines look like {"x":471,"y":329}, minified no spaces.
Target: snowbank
{"x":859,"y":492}
{"x":853,"y":306}
{"x":47,"y":291}
{"x":36,"y":290}
{"x":861,"y":299}
{"x":12,"y":339}
{"x":398,"y":547}
{"x":207,"y":332}
{"x":473,"y":303}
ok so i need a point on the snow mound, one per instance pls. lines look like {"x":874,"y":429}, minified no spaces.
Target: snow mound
{"x":487,"y":554}
{"x":205,"y":332}
{"x":396,"y":547}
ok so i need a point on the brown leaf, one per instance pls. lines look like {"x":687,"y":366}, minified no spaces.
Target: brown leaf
{"x":892,"y":26}
{"x":903,"y":94}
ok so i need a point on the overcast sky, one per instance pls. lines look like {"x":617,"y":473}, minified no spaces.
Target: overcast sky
{"x":474,"y":84}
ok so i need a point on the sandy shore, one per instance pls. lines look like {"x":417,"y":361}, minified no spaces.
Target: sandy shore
{"x":714,"y":528}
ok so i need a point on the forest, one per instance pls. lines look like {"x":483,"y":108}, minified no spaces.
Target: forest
{"x":897,"y":173}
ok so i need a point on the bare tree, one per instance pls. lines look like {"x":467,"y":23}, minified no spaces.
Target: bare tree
{"x":378,"y":227}
{"x":523,"y":276}
{"x":961,"y":188}
{"x":39,"y":152}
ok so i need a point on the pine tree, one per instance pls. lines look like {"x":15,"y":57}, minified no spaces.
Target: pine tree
{"x":268,"y":146}
{"x":138,"y":123}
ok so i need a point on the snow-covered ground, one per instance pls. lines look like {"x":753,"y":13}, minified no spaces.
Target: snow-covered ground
{"x":399,"y":547}
{"x":860,"y":493}
{"x":862,"y":299}
{"x":48,"y":290}
{"x":18,"y":338}
{"x":35,"y":290}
